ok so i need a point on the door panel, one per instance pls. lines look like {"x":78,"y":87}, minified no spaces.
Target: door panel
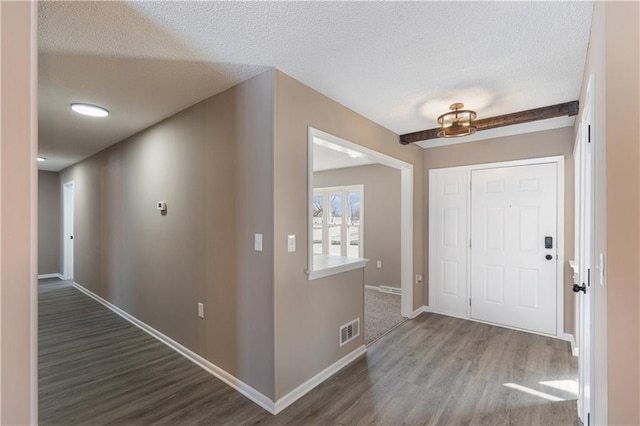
{"x":513,"y":209}
{"x":448,"y":244}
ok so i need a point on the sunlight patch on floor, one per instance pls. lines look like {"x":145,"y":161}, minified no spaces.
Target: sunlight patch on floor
{"x":570,"y":386}
{"x":534,"y":392}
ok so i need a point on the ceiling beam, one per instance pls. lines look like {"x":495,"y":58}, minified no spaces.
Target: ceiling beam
{"x":560,"y":110}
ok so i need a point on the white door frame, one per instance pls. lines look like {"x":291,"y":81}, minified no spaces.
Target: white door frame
{"x":406,"y":208}
{"x":67,"y":229}
{"x":559,"y":160}
{"x":585,"y":254}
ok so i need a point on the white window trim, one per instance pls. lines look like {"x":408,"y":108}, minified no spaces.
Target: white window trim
{"x":344,"y":237}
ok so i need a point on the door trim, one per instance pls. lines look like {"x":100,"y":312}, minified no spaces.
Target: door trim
{"x":559,"y":161}
{"x":406,"y":209}
{"x":68,"y":194}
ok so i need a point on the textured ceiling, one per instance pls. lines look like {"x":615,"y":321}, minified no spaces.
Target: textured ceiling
{"x":398,"y":63}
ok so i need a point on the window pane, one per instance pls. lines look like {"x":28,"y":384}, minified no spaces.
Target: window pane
{"x":335,"y":205}
{"x":353,"y":204}
{"x":335,"y":241}
{"x":318,"y":216}
{"x":353,"y":250}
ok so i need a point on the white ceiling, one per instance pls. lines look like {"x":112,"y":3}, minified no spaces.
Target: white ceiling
{"x":327,"y":156}
{"x":398,"y":63}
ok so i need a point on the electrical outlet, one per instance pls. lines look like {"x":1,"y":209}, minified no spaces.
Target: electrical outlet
{"x":418,"y":278}
{"x":201,"y":310}
{"x":258,"y":242}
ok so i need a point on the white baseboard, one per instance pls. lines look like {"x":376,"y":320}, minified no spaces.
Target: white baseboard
{"x":385,"y":289}
{"x":447,"y":313}
{"x":418,"y":311}
{"x":237,"y":384}
{"x":54,"y":275}
{"x":307,"y":386}
{"x":571,"y":339}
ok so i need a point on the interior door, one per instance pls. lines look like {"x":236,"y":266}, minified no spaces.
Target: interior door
{"x":68,"y":246}
{"x":513,"y":246}
{"x":585,"y":192}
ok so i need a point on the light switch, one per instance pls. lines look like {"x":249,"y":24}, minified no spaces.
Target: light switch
{"x":602,"y":269}
{"x":291,"y":243}
{"x":258,"y":242}
{"x":201,"y":310}
{"x":379,"y":264}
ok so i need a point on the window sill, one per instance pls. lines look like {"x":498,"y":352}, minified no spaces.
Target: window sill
{"x":325,"y":265}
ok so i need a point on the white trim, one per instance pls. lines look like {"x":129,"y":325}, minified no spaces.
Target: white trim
{"x":406,"y":206}
{"x":499,"y":164}
{"x":445,"y":312}
{"x":418,"y":311}
{"x":237,"y":384}
{"x":571,"y":339}
{"x":307,"y":386}
{"x":325,"y":192}
{"x":45,"y":276}
{"x":559,"y":160}
{"x":386,"y":289}
{"x":33,"y":133}
{"x":560,"y":249}
{"x":68,"y":195}
{"x":350,"y":264}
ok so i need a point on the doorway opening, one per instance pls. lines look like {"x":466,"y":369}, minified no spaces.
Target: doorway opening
{"x":67,"y":230}
{"x":496,"y":249}
{"x":345,"y":173}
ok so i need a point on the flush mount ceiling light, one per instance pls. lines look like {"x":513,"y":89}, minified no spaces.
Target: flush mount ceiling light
{"x":42,"y":158}
{"x":458,"y":122}
{"x":90,"y":110}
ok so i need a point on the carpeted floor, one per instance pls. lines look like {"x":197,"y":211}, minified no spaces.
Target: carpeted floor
{"x":381,"y":314}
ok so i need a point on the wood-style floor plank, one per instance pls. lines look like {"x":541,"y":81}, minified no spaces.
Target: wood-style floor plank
{"x":96,"y":368}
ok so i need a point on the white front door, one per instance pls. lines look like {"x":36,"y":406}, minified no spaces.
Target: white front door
{"x":513,"y":246}
{"x":448,"y":241}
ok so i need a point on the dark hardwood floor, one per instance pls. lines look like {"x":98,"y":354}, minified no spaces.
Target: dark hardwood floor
{"x":96,"y":368}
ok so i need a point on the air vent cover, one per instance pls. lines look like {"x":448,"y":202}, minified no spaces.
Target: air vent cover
{"x":349,"y":331}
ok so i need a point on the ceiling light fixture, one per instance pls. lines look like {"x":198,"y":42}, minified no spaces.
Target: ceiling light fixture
{"x":42,"y":158}
{"x":458,"y":122}
{"x":90,"y":110}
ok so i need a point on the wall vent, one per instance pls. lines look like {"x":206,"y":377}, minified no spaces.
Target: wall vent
{"x":349,"y":331}
{"x":388,"y":289}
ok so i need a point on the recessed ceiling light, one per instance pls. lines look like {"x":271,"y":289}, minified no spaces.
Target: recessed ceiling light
{"x":90,"y":110}
{"x":42,"y":158}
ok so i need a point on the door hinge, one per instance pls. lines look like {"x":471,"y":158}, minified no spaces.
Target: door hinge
{"x":588,"y":419}
{"x":589,"y":133}
{"x":469,"y":243}
{"x":469,"y":302}
{"x":588,"y":277}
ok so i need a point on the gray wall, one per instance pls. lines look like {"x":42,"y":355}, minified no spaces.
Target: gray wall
{"x":381,"y":217}
{"x":532,"y":145}
{"x":49,"y":223}
{"x":211,"y":164}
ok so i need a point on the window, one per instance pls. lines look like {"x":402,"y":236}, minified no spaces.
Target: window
{"x":337,"y":221}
